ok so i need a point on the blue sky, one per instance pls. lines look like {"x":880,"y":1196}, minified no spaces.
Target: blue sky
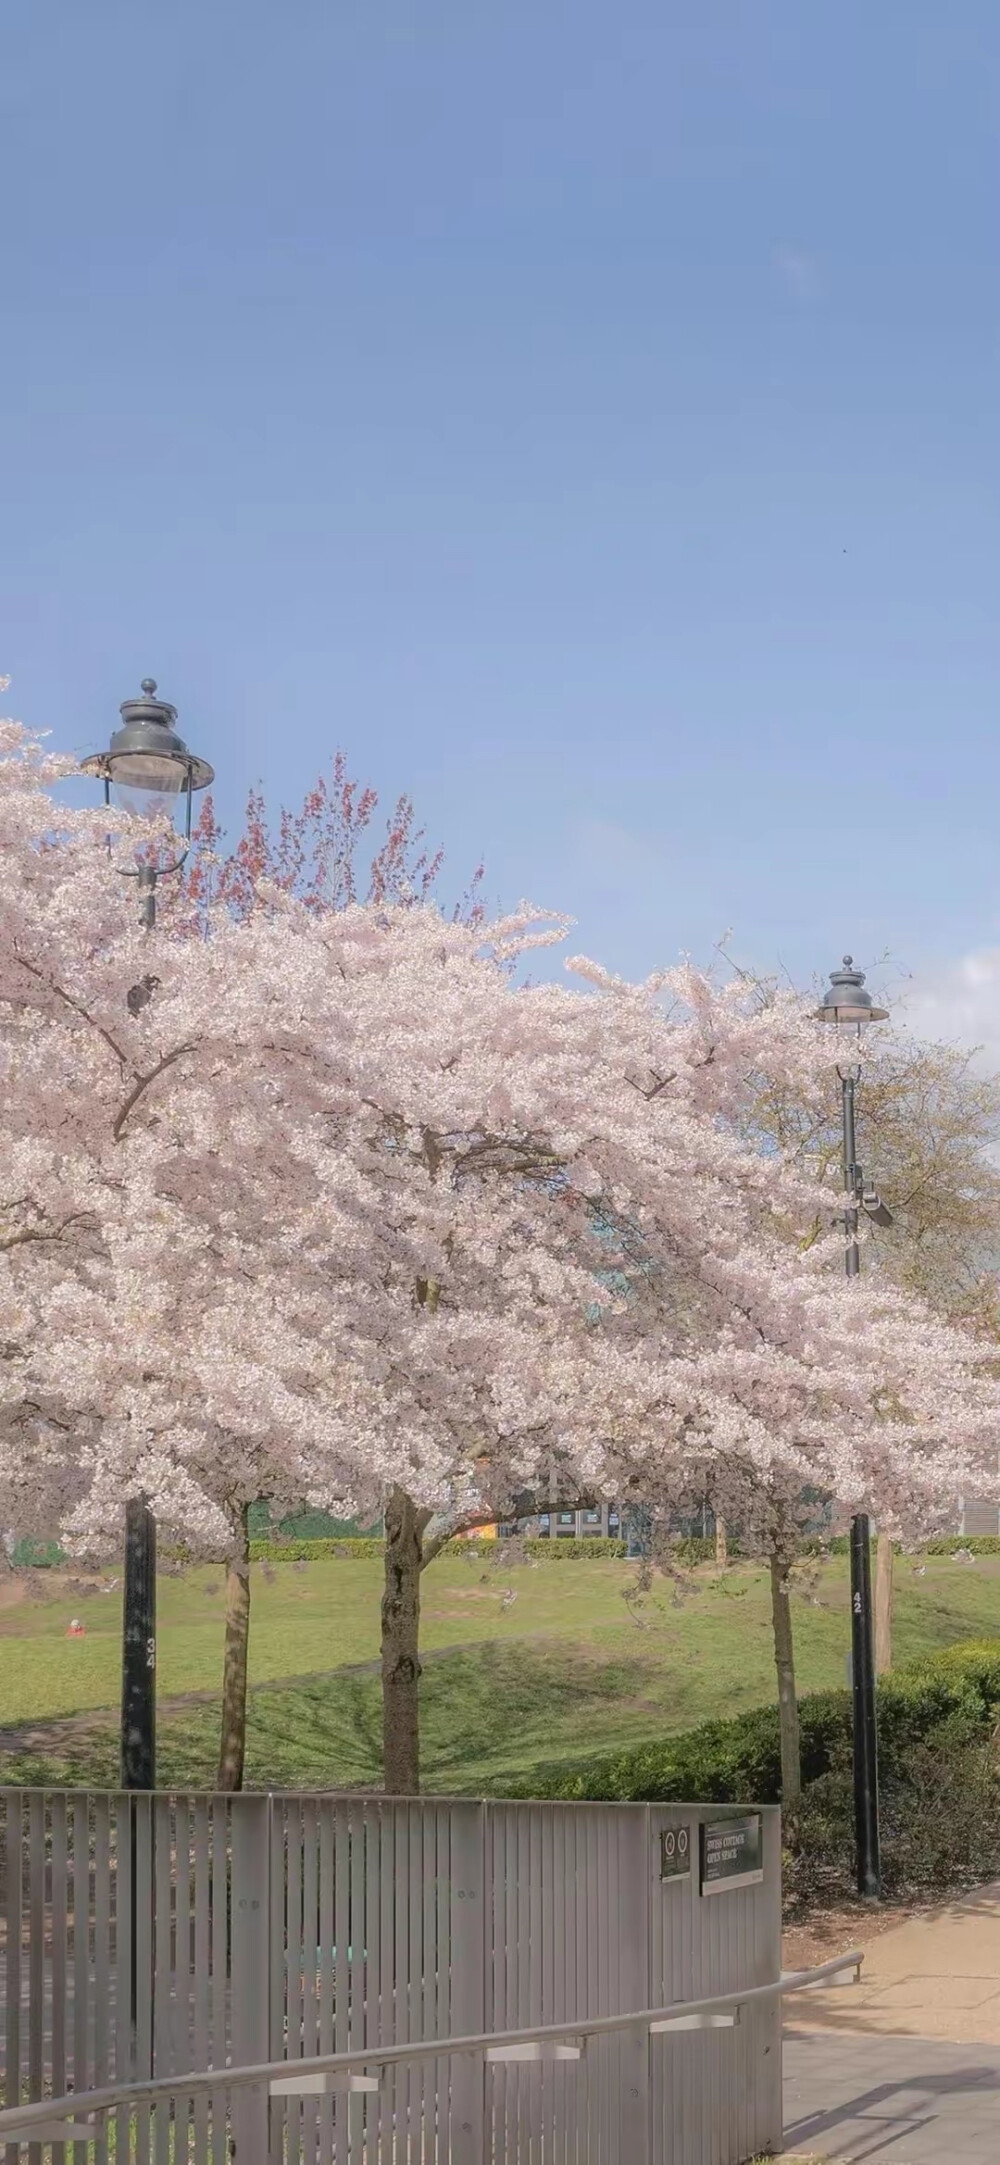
{"x":585,"y":415}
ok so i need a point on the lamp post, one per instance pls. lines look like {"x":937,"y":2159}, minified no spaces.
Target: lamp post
{"x":149,"y":766}
{"x":847,"y":1004}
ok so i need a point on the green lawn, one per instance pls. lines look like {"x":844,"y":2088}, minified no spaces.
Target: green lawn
{"x":565,"y":1668}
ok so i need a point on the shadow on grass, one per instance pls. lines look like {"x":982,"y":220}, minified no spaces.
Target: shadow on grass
{"x":486,"y":1711}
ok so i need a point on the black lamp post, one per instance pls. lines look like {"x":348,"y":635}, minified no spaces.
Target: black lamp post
{"x":149,"y":766}
{"x":848,"y":1004}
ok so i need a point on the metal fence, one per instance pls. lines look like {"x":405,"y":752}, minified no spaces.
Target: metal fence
{"x":152,"y":1937}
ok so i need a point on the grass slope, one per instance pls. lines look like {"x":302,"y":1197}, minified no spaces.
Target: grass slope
{"x":565,"y":1668}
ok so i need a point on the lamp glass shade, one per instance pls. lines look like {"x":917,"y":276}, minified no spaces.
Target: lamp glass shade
{"x":848,"y":1011}
{"x":147,"y":783}
{"x":160,"y":772}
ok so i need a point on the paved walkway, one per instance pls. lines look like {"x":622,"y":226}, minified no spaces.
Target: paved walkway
{"x":937,"y":1976}
{"x":904,"y":2069}
{"x":891,"y":2100}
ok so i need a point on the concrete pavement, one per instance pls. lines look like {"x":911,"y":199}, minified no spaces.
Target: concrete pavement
{"x":891,"y":2100}
{"x":904,"y":2069}
{"x":936,"y":1976}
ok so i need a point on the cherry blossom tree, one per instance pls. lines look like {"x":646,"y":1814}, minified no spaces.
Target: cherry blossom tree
{"x":314,"y":854}
{"x":374,"y":1224}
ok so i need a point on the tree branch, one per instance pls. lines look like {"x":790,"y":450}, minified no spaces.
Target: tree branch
{"x":143,"y":1084}
{"x":445,"y":1526}
{"x":77,"y":1008}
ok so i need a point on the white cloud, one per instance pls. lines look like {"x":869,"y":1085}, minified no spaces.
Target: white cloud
{"x":801,"y":273}
{"x":958,"y":1002}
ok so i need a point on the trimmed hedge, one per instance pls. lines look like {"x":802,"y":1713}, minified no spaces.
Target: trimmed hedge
{"x":951,"y":1698}
{"x":292,"y":1551}
{"x":277,"y":1551}
{"x":955,"y":1544}
{"x":278,"y":1548}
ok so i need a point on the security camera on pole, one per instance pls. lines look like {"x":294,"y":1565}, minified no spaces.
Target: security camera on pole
{"x":847,"y":1004}
{"x":149,"y":766}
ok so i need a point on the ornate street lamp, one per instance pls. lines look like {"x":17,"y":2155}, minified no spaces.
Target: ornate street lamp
{"x":149,"y":767}
{"x":847,"y":1004}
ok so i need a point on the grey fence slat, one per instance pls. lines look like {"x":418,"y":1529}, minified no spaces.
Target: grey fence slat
{"x":364,"y":1924}
{"x":119,"y":1969}
{"x":101,"y":1825}
{"x":560,"y":1903}
{"x":492,"y":1907}
{"x":391,"y":2013}
{"x":421,"y":2099}
{"x":165,"y":2055}
{"x":250,"y":1957}
{"x":183,"y":1957}
{"x":515,"y":2075}
{"x":279,"y":1999}
{"x":607,"y":2048}
{"x":348,"y":1979}
{"x":331,"y":1967}
{"x":37,"y":2003}
{"x":220,"y":1970}
{"x":59,"y":1824}
{"x":420,"y":2102}
{"x":568,"y":1822}
{"x":310,"y":1956}
{"x":293,"y":1965}
{"x":502,"y":2083}
{"x":80,"y":1889}
{"x":360,"y":2114}
{"x":553,"y":2079}
{"x":410,"y":1959}
{"x":387,"y":1976}
{"x":468,"y":1909}
{"x":428,"y":2014}
{"x":145,"y":1944}
{"x":402,"y":1959}
{"x":444,"y":1983}
{"x":421,"y":2017}
{"x":201,"y":2043}
{"x":506,"y":2076}
{"x":534,"y":2078}
{"x":13,"y":1872}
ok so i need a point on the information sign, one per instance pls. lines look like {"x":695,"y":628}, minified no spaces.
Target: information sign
{"x":675,"y":1852}
{"x":732,"y":1854}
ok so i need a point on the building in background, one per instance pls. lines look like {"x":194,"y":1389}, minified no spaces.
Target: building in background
{"x":975,"y":1516}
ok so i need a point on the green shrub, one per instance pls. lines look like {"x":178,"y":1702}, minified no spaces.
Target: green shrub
{"x":939,"y":1770}
{"x":566,"y":1551}
{"x":37,"y":1555}
{"x":291,"y":1550}
{"x":953,"y":1545}
{"x":952,"y":1699}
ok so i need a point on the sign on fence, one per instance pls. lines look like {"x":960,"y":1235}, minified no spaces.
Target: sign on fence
{"x":675,"y":1852}
{"x":732,"y":1854}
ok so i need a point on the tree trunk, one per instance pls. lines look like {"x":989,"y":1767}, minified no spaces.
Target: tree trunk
{"x":721,"y":1545}
{"x":784,"y":1662}
{"x":232,"y":1754}
{"x":404,"y":1526}
{"x":883,"y":1605}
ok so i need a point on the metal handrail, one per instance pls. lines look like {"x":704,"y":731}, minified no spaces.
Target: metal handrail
{"x":48,"y":2111}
